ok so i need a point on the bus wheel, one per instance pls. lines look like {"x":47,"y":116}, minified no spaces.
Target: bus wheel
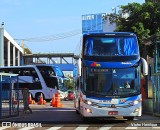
{"x":129,"y":117}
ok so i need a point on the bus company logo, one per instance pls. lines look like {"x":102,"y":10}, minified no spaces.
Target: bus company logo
{"x":94,"y":64}
{"x":122,"y":100}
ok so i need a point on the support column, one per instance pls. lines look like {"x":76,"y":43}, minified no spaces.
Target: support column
{"x":14,"y":55}
{"x":18,"y":58}
{"x":9,"y":55}
{"x":1,"y":46}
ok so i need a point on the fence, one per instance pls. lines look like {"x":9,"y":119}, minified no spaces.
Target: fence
{"x":12,"y":98}
{"x":156,"y":93}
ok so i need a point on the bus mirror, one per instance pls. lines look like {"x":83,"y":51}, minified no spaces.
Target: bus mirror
{"x":144,"y":67}
{"x":61,"y":80}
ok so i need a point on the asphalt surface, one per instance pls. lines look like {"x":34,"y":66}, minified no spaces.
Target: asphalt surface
{"x":47,"y":114}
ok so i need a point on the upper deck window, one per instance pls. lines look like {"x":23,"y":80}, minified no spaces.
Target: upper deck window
{"x":111,"y":46}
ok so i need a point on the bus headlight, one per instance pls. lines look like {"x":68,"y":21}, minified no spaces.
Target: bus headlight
{"x":136,"y":110}
{"x":88,"y":110}
{"x":88,"y":102}
{"x":135,"y":102}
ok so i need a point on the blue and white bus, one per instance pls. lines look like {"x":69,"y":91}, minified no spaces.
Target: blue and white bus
{"x":41,"y":78}
{"x":108,"y":76}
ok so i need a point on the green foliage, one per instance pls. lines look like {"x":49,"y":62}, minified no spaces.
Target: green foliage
{"x":69,"y":84}
{"x":143,"y":20}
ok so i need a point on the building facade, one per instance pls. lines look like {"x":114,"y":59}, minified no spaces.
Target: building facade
{"x":11,"y":53}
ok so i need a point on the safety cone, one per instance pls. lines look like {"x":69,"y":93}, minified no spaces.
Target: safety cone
{"x":41,"y":101}
{"x":57,"y":100}
{"x":44,"y":102}
{"x":33,"y":102}
{"x":53,"y":101}
{"x":14,"y":101}
{"x":30,"y":101}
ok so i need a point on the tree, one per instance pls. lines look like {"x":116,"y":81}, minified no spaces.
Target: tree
{"x":143,"y":20}
{"x":69,"y":84}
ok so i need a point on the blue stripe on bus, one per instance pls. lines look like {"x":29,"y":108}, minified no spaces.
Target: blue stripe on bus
{"x":128,"y":99}
{"x":120,"y":101}
{"x":97,"y":98}
{"x":110,"y":64}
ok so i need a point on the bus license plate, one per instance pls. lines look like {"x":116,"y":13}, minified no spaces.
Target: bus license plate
{"x":113,"y":113}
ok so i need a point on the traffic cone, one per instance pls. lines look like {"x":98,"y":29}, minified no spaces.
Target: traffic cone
{"x":33,"y":102}
{"x":53,"y":101}
{"x":14,"y":101}
{"x":57,"y":100}
{"x":44,"y":102}
{"x":30,"y":101}
{"x":40,"y":102}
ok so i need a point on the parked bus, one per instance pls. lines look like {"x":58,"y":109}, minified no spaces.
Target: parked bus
{"x":45,"y":79}
{"x":108,"y":76}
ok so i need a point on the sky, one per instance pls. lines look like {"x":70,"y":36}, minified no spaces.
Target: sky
{"x":39,"y":19}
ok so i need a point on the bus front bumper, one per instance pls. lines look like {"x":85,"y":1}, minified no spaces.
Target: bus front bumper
{"x":92,"y":111}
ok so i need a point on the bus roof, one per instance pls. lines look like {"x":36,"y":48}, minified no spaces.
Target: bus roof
{"x":27,"y":66}
{"x":111,"y":34}
{"x":53,"y":65}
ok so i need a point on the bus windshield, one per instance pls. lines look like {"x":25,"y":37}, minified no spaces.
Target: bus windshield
{"x":112,"y":82}
{"x":111,"y":46}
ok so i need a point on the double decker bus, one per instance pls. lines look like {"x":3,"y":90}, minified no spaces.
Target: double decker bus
{"x":39,"y":79}
{"x":109,"y":76}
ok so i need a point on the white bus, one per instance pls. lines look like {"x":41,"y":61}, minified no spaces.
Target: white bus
{"x":45,"y":79}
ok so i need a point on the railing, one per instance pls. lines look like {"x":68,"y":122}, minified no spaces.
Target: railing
{"x":156,"y":93}
{"x":13,"y":100}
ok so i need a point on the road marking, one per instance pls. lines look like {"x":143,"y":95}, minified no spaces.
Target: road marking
{"x":4,"y":127}
{"x":81,"y":127}
{"x":55,"y":128}
{"x":106,"y":127}
{"x":27,"y":128}
{"x":156,"y":128}
{"x":130,"y":128}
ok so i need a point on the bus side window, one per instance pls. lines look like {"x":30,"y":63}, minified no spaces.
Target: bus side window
{"x":35,"y":76}
{"x":52,"y":73}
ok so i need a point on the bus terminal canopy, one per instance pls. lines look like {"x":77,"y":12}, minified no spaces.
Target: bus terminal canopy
{"x":8,"y":74}
{"x":5,"y":77}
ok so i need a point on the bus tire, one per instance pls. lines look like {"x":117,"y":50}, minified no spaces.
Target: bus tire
{"x":129,"y":117}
